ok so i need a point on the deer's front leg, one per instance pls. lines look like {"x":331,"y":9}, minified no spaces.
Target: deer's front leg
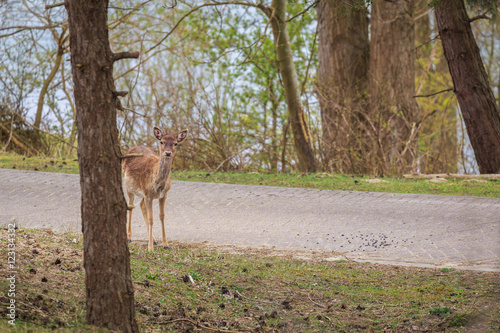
{"x":162,"y":219}
{"x":145,"y":215}
{"x":149,"y":210}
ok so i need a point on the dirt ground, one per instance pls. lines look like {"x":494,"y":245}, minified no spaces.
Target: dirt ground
{"x":200,"y":287}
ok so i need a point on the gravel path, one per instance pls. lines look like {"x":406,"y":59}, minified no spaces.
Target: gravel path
{"x":402,"y":229}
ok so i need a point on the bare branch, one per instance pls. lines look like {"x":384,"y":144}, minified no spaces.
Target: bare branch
{"x":120,"y":93}
{"x":27,"y":27}
{"x":24,"y":28}
{"x":479,"y":17}
{"x":260,"y":6}
{"x":47,"y":7}
{"x":171,"y":7}
{"x":436,"y":93}
{"x":304,"y":11}
{"x":125,"y":55}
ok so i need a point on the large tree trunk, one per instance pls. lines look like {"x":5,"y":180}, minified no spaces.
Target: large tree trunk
{"x":343,"y":53}
{"x":392,"y":85}
{"x":477,"y":102}
{"x":110,"y":297}
{"x":300,"y":128}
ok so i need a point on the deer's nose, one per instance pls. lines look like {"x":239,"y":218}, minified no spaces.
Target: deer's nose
{"x":168,"y":153}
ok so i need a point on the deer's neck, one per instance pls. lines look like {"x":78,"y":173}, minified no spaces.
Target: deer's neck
{"x":163,"y":173}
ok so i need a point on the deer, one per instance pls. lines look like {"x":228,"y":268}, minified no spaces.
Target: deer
{"x":147,"y":174}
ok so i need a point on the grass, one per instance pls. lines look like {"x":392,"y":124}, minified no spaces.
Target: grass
{"x":324,"y":181}
{"x":36,"y":163}
{"x":196,"y":287}
{"x":485,"y":188}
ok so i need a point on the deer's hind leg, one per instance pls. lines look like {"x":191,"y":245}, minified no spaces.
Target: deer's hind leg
{"x":130,"y":208}
{"x":148,"y":218}
{"x":161,"y":203}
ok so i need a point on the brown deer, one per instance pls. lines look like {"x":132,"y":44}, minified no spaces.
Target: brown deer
{"x":148,"y":176}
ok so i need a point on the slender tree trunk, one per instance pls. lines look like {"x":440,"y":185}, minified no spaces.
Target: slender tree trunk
{"x":110,"y":297}
{"x":343,"y":52}
{"x":45,"y":86}
{"x":475,"y":97}
{"x":274,"y":155}
{"x":392,"y":81}
{"x":300,"y":128}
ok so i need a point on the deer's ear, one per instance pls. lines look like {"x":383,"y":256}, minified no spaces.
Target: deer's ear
{"x":181,"y":136}
{"x":157,"y":132}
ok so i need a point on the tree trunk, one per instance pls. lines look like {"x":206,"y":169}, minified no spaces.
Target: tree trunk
{"x":475,"y":97}
{"x":392,"y":85}
{"x":300,"y":128}
{"x":110,"y":297}
{"x":343,"y":53}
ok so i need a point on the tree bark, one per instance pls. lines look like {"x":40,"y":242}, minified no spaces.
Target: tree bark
{"x":300,"y":129}
{"x":343,"y":54}
{"x":110,"y":297}
{"x":392,"y":81}
{"x":475,"y":96}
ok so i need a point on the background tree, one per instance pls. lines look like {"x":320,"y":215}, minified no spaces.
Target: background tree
{"x":392,"y":84}
{"x":438,"y":138}
{"x":343,"y":54}
{"x":477,"y":101}
{"x":110,"y":297}
{"x":300,"y":128}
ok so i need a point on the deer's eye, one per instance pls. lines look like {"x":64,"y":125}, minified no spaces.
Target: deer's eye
{"x":162,"y":142}
{"x":175,"y":144}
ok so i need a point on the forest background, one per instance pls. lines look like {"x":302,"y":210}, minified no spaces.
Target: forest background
{"x":374,"y":86}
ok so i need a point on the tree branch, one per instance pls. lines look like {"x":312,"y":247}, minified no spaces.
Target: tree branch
{"x":120,"y":93}
{"x":125,"y":55}
{"x":47,"y":7}
{"x":304,"y":11}
{"x":260,"y":6}
{"x":439,"y":92}
{"x":27,"y":27}
{"x":478,"y":17}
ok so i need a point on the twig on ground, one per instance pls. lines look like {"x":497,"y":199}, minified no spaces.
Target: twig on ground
{"x":318,"y":304}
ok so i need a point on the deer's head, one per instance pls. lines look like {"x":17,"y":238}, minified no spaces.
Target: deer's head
{"x":168,"y":142}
